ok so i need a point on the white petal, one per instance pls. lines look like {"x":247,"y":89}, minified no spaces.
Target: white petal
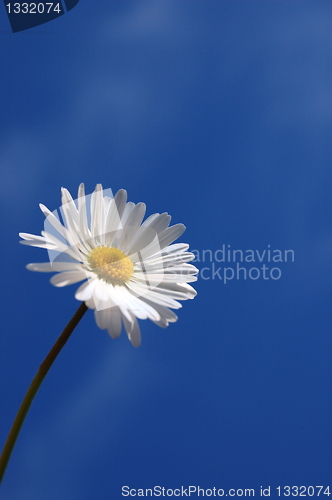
{"x":146,"y":247}
{"x":162,"y":222}
{"x":85,"y":234}
{"x":168,"y":260}
{"x":130,"y":302}
{"x":80,"y":194}
{"x":141,"y":309}
{"x":173,"y":290}
{"x":85,"y":291}
{"x":101,"y":291}
{"x":90,"y":304}
{"x":69,"y":214}
{"x":133,"y":331}
{"x":69,"y":210}
{"x":158,"y":221}
{"x":126,"y":213}
{"x":118,"y":232}
{"x":107,"y":200}
{"x":176,"y":290}
{"x":157,"y":278}
{"x":115,"y":324}
{"x":112,"y":223}
{"x":181,"y":291}
{"x":148,"y":232}
{"x":118,"y":300}
{"x":145,"y":236}
{"x":62,"y":247}
{"x":53,"y":239}
{"x":47,"y":267}
{"x":186,"y":269}
{"x":166,"y":316}
{"x":177,"y":248}
{"x":171,"y":234}
{"x":131,"y":226}
{"x":28,"y":236}
{"x":36,"y":241}
{"x":150,"y":219}
{"x":53,"y":220}
{"x":153,"y":295}
{"x":97,"y":215}
{"x":114,"y":214}
{"x":103,"y":318}
{"x":67,"y":278}
{"x":164,"y":238}
{"x":113,"y":219}
{"x":40,"y":244}
{"x":32,"y":243}
{"x":120,"y":200}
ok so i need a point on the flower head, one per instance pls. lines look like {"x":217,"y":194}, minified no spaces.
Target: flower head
{"x":131,"y":268}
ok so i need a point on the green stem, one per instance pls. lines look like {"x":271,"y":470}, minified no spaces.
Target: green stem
{"x":35,"y":384}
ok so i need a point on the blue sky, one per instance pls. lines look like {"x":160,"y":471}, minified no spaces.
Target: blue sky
{"x":218,"y":112}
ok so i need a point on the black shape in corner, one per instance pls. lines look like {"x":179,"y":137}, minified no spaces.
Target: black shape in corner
{"x":70,"y":4}
{"x":23,"y":15}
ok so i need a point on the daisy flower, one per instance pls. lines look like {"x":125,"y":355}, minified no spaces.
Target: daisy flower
{"x":130,"y":268}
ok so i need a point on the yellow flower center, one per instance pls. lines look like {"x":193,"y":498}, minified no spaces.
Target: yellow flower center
{"x":111,"y":265}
